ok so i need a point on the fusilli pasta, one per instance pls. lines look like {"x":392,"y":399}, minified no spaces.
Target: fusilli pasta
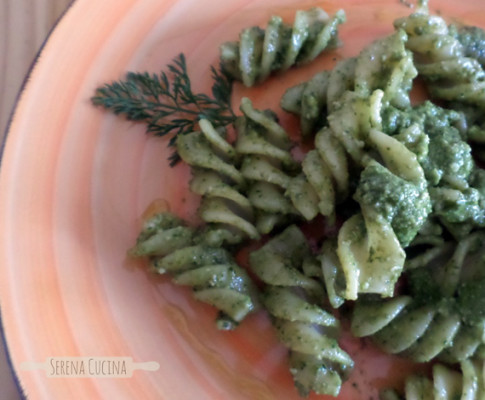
{"x":445,"y":383}
{"x":369,"y":246}
{"x":317,"y":362}
{"x":217,"y":179}
{"x":267,"y":165}
{"x":260,"y":52}
{"x":440,"y":59}
{"x":384,"y":65}
{"x":432,"y":320}
{"x":213,"y":274}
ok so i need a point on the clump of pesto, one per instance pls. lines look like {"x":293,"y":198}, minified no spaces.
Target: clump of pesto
{"x":468,"y":300}
{"x":477,"y":180}
{"x":437,"y":136}
{"x":472,"y":39}
{"x":455,"y":206}
{"x":445,"y":157}
{"x":471,"y":301}
{"x":430,"y":116}
{"x":449,"y":158}
{"x":403,"y":204}
{"x":423,"y":286}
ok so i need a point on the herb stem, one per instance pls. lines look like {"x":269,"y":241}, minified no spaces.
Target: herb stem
{"x":166,"y":102}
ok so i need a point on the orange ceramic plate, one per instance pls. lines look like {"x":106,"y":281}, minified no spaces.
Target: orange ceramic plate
{"x":75,"y":180}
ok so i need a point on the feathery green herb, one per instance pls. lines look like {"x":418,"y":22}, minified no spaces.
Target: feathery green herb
{"x":166,"y":102}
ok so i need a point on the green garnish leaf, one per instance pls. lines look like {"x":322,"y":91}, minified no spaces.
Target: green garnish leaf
{"x":166,"y":102}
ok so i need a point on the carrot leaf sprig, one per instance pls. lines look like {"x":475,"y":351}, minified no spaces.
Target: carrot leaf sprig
{"x":166,"y":102}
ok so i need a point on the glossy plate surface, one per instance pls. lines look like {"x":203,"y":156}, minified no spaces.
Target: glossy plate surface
{"x":75,"y":180}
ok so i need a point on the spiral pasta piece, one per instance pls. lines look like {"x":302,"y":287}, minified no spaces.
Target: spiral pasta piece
{"x":384,"y":65}
{"x":317,"y":362}
{"x":215,"y":176}
{"x":260,"y":52}
{"x":331,"y":273}
{"x":420,"y":332}
{"x":445,"y":383}
{"x":354,"y":99}
{"x":370,"y":244}
{"x":387,"y":65}
{"x":368,"y":255}
{"x":440,"y":59}
{"x":369,"y":251}
{"x":308,"y":100}
{"x":160,"y":235}
{"x":212,"y":273}
{"x":324,"y":181}
{"x":278,"y":262}
{"x":338,"y":147}
{"x":267,"y":165}
{"x":436,"y":319}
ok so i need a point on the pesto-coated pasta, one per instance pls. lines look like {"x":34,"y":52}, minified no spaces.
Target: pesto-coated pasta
{"x":400,"y":194}
{"x":455,"y":182}
{"x":160,"y":235}
{"x":278,"y":262}
{"x":384,"y":65}
{"x":308,"y":100}
{"x":369,"y":249}
{"x":467,"y":383}
{"x":370,"y":244}
{"x":267,"y":166}
{"x":370,"y":255}
{"x":387,"y":65}
{"x":317,"y":362}
{"x":215,"y":176}
{"x":432,"y":320}
{"x":324,"y":179}
{"x":212,"y":273}
{"x":332,"y":273}
{"x":441,"y":59}
{"x":280,"y":46}
{"x":340,"y":147}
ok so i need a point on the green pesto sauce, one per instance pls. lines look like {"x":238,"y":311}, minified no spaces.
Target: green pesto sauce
{"x":431,"y":117}
{"x":477,"y":180}
{"x":423,"y":287}
{"x":471,"y":301}
{"x":449,"y":157}
{"x":472,"y":39}
{"x":446,"y":160}
{"x":465,"y":207}
{"x":285,"y":37}
{"x":403,"y":204}
{"x":415,"y":140}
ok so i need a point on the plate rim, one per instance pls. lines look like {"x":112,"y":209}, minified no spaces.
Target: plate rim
{"x":13,"y":115}
{"x":3,"y":144}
